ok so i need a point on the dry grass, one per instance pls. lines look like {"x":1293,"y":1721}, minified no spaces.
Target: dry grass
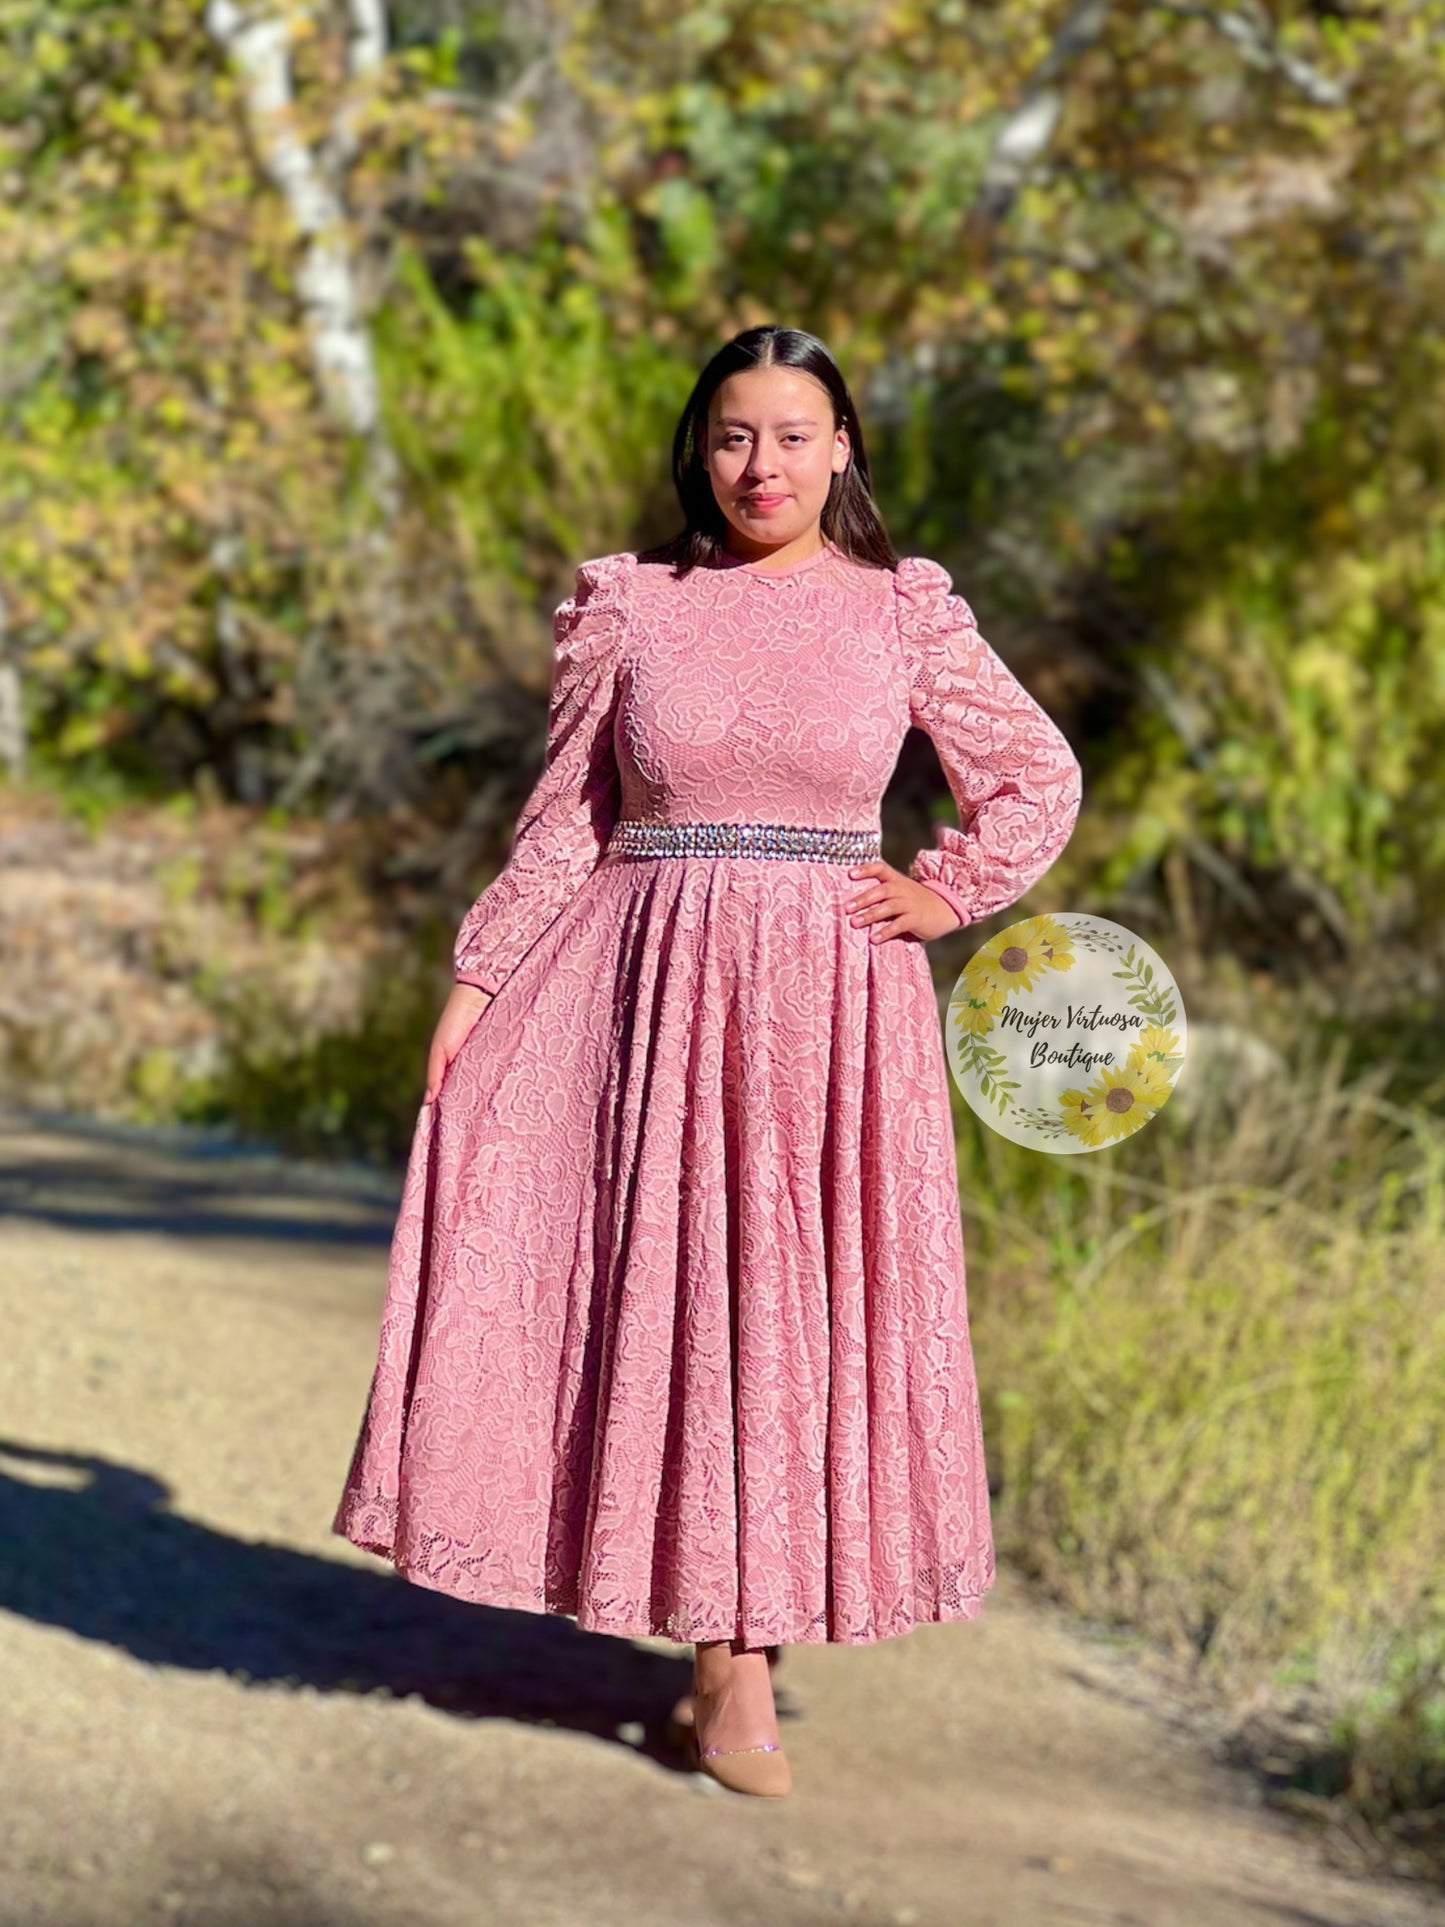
{"x":1215,"y":1365}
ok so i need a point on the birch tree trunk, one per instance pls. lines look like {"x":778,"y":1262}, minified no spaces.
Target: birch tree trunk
{"x":256,"y":36}
{"x":1024,"y":137}
{"x":12,"y":714}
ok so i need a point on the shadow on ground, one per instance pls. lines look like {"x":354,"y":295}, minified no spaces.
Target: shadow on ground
{"x":93,"y":1546}
{"x":83,"y":1174}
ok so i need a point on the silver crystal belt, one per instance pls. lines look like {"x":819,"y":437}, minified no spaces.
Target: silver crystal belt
{"x":743,"y":839}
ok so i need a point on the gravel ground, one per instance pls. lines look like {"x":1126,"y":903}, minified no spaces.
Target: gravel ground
{"x":220,"y":1715}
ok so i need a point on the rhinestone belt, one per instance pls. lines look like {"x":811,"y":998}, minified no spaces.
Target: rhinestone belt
{"x":743,"y":839}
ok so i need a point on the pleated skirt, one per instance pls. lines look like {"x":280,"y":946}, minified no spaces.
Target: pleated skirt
{"x":675,"y":1338}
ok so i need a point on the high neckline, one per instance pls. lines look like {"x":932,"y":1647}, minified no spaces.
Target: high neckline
{"x":727,"y":561}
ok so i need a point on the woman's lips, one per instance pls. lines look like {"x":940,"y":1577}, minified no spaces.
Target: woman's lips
{"x":764,"y":501}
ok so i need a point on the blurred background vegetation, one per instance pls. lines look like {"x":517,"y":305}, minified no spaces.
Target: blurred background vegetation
{"x":333,"y":334}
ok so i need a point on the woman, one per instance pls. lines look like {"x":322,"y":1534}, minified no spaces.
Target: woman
{"x":676,"y":1338}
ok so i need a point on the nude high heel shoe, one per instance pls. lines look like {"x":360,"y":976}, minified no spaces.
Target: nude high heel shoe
{"x":747,"y":1769}
{"x":680,"y":1722}
{"x":760,"y":1769}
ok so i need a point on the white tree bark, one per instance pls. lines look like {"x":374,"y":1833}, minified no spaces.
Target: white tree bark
{"x":12,"y":714}
{"x":1251,"y":30}
{"x":256,"y":36}
{"x":1024,"y":137}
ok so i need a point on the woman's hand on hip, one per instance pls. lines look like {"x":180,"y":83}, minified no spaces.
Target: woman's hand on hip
{"x":897,"y":906}
{"x":463,"y":1008}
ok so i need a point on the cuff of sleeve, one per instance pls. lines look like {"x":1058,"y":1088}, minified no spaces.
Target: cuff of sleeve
{"x":955,"y":902}
{"x":476,"y":980}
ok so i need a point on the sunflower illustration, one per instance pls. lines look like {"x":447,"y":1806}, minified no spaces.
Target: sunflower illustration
{"x":1017,"y":957}
{"x":1124,"y":1097}
{"x":974,"y":1015}
{"x":1080,"y":1115}
{"x":1056,"y":939}
{"x":1156,"y":1047}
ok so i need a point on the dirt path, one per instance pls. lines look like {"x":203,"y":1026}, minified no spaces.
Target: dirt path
{"x":220,"y":1715}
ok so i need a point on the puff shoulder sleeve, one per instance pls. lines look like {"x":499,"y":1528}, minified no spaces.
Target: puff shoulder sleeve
{"x":1016,"y":782}
{"x":564,"y":825}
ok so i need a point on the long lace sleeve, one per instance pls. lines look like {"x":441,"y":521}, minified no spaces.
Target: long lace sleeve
{"x":565,"y":823}
{"x":1015,"y":780}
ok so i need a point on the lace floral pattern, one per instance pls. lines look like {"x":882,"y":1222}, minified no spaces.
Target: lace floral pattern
{"x":1015,"y":781}
{"x":676,"y":1332}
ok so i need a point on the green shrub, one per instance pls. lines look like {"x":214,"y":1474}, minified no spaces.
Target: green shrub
{"x":1212,"y":1363}
{"x":352,"y":1091}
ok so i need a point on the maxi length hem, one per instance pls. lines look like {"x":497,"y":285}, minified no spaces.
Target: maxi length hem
{"x":676,"y":1335}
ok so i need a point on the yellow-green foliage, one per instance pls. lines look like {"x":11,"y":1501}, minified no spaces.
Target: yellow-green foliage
{"x":553,"y":222}
{"x":351,"y":1089}
{"x":1190,"y":361}
{"x":530,"y":421}
{"x":1296,"y":672}
{"x":1213,"y":1361}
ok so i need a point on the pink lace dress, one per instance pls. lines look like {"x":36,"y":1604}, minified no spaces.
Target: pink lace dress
{"x":675,"y":1337}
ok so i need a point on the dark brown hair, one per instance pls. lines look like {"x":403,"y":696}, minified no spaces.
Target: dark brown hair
{"x":850,"y":516}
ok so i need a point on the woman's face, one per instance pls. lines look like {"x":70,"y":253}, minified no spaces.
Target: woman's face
{"x":772,"y":452}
